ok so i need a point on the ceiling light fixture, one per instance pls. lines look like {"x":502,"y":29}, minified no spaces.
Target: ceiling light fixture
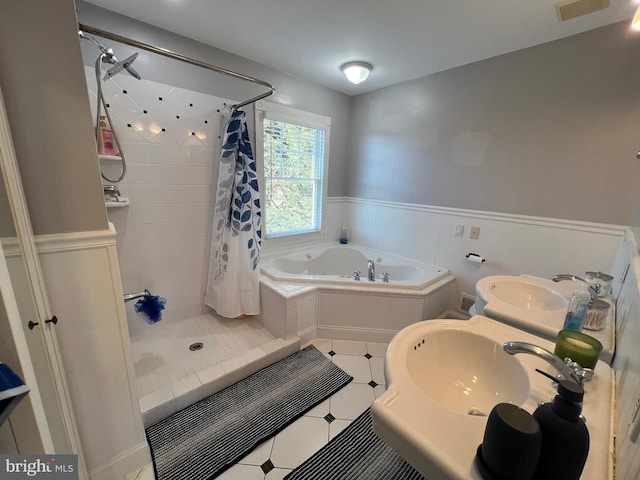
{"x":635,"y":23}
{"x":356,"y":72}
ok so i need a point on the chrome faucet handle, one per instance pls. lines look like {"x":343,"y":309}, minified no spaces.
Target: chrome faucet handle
{"x":356,"y":275}
{"x":385,"y":277}
{"x":581,"y":374}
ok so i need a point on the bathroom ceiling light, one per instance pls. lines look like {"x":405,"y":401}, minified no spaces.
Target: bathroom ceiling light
{"x":356,"y":72}
{"x":635,"y":23}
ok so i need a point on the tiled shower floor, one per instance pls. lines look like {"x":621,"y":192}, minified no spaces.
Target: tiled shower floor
{"x":171,"y":376}
{"x":276,"y":457}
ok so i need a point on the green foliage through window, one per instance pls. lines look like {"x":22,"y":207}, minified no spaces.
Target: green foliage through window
{"x":293,"y":173}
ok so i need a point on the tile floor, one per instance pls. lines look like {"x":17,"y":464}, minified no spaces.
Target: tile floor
{"x":279,"y":455}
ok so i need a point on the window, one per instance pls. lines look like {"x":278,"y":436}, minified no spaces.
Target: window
{"x":292,"y":148}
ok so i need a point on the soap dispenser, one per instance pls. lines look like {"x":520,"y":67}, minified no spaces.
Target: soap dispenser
{"x":578,"y":305}
{"x":565,"y":437}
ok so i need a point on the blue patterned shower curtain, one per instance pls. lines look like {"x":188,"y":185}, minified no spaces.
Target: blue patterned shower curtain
{"x":233,"y":287}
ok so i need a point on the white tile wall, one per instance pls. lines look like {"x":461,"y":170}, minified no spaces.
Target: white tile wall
{"x":171,"y":141}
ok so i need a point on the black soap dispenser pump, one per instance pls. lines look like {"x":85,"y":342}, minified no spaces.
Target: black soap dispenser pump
{"x":565,"y":437}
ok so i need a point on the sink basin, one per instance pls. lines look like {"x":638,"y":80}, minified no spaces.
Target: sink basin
{"x":537,"y":305}
{"x":523,"y":294}
{"x":466,"y":372}
{"x":444,"y":376}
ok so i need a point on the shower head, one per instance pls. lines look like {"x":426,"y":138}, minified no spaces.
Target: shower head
{"x":108,"y":56}
{"x":119,"y":66}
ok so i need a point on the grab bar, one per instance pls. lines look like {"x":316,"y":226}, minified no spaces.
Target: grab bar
{"x":132,"y":296}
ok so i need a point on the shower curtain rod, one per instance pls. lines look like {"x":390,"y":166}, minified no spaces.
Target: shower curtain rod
{"x":176,"y":56}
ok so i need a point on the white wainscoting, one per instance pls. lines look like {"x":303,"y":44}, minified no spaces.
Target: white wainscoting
{"x":85,"y":291}
{"x":627,"y":359}
{"x":511,"y":244}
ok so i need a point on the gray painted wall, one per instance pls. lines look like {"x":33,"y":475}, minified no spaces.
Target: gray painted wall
{"x":290,"y":90}
{"x":7,"y":228}
{"x":44,"y":89}
{"x":547,"y":131}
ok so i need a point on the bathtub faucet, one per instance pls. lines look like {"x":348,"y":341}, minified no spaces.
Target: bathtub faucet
{"x":371,"y":271}
{"x":132,"y":296}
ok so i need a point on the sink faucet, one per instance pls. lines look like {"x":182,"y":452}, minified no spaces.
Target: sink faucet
{"x":371,"y":271}
{"x":570,"y":371}
{"x":594,"y":290}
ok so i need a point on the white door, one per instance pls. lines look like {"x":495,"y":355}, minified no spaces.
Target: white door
{"x":44,"y":421}
{"x":28,"y":424}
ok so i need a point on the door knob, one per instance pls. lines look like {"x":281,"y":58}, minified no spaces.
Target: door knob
{"x":32,"y":324}
{"x":53,"y":320}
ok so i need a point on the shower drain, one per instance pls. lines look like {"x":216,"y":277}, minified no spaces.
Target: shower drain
{"x":194,"y":347}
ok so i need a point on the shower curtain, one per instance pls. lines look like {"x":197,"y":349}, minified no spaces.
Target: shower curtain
{"x":233,"y":287}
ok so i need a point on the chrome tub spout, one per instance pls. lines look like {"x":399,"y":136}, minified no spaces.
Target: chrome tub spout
{"x":132,"y":296}
{"x":371,"y":271}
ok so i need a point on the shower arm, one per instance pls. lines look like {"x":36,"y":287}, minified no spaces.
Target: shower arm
{"x":84,"y":36}
{"x":183,"y":58}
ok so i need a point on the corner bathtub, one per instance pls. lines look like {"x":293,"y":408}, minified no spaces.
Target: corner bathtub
{"x":330,"y":264}
{"x":311,"y":292}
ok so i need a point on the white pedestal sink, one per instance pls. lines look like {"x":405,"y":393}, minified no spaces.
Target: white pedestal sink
{"x":537,"y":305}
{"x":443,"y":376}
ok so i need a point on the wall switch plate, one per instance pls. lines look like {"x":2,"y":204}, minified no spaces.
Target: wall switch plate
{"x":475,"y":233}
{"x":459,"y":231}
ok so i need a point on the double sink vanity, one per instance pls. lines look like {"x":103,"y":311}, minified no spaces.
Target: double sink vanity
{"x":445,"y":376}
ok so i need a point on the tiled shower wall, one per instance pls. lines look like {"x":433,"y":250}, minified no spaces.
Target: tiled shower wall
{"x":171,"y":142}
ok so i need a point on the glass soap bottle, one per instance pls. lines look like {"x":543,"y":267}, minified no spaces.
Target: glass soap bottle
{"x":565,"y":437}
{"x":578,"y":305}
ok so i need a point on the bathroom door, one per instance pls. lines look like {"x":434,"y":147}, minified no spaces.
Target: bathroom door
{"x":27,"y":428}
{"x":43,"y":422}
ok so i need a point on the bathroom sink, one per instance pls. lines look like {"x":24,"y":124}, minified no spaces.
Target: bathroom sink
{"x":443,"y":378}
{"x":466,"y":372}
{"x":527,"y":295}
{"x":537,"y":305}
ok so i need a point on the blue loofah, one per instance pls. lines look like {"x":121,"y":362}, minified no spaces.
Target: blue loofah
{"x":151,"y":306}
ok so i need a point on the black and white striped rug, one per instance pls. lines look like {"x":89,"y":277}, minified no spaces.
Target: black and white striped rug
{"x":204,"y":439}
{"x":356,"y":453}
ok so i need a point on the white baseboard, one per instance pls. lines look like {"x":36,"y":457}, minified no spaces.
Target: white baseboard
{"x":307,"y":335}
{"x":122,"y":465}
{"x":355,"y":334}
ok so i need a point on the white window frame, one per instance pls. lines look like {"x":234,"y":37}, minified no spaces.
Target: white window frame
{"x":282,"y":113}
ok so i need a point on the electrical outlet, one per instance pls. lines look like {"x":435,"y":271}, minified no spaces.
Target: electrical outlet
{"x":459,"y":230}
{"x":475,"y":233}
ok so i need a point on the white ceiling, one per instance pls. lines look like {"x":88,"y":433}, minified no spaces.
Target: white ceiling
{"x":403,"y":39}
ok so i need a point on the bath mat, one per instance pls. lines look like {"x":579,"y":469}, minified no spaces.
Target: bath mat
{"x":356,"y":453}
{"x":204,"y":439}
